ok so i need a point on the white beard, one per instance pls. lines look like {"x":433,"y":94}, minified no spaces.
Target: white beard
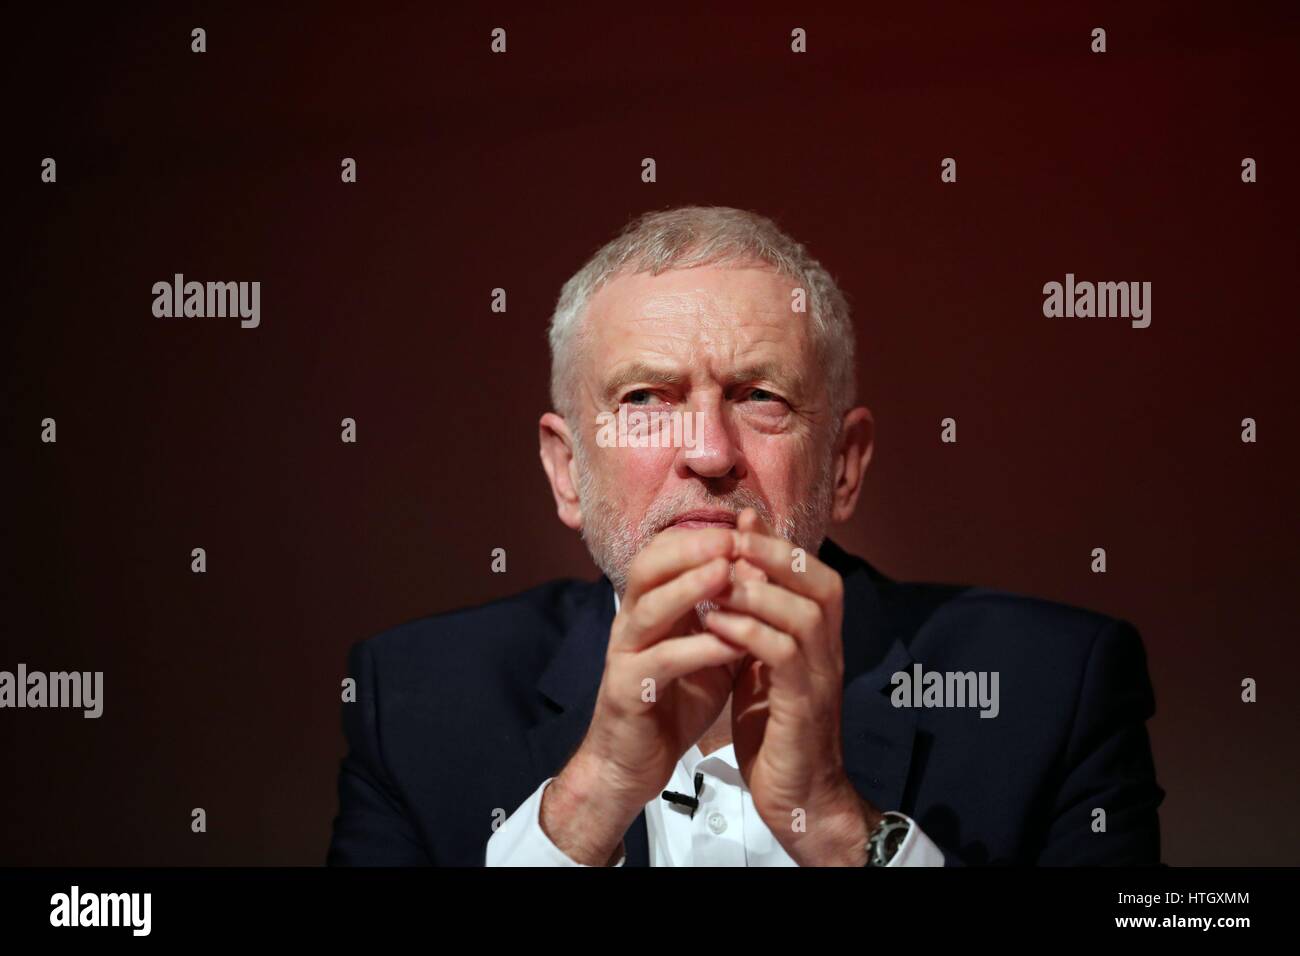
{"x":614,"y":542}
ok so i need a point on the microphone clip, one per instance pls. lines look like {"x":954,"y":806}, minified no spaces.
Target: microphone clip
{"x":684,"y":800}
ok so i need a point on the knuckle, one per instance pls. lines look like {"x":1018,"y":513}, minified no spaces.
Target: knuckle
{"x":643,"y":616}
{"x":785,"y":652}
{"x":813,"y":617}
{"x":702,"y":573}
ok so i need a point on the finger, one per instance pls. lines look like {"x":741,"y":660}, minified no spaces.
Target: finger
{"x":653,"y":615}
{"x":782,"y":609}
{"x":671,"y":553}
{"x":779,"y":651}
{"x":746,"y":571}
{"x":680,"y":656}
{"x":749,"y":520}
{"x":776,"y":558}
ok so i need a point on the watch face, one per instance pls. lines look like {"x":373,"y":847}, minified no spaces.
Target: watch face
{"x":893,"y":831}
{"x":893,"y":840}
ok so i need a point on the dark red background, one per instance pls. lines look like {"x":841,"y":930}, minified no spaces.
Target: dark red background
{"x":478,"y":171}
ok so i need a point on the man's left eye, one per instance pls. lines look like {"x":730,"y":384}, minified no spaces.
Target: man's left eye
{"x":763,"y":395}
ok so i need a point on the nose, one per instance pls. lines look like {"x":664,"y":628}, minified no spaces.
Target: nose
{"x":709,"y":449}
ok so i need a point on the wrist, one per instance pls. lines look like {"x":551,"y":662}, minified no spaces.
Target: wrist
{"x":584,"y":815}
{"x":839,"y":832}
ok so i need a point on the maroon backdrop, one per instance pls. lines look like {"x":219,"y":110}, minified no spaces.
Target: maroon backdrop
{"x":478,"y":171}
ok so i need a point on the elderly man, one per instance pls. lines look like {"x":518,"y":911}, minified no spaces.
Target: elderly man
{"x":736,"y":689}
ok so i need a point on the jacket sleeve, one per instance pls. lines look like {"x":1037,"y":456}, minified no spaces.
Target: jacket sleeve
{"x":372,"y":827}
{"x":1108,"y":764}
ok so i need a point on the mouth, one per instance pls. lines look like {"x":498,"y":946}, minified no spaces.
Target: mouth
{"x":704,"y":518}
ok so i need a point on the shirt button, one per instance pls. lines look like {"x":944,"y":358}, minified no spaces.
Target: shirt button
{"x":717,"y":822}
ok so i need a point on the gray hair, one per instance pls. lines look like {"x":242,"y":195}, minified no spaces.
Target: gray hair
{"x":706,"y":235}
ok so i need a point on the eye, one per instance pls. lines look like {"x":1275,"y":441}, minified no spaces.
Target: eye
{"x":640,"y":396}
{"x":763,"y":395}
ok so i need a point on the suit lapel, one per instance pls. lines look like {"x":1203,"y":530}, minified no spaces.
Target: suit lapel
{"x":571,"y":682}
{"x":877,"y":736}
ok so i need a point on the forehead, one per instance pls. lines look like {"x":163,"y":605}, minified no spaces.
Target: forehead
{"x":721,"y":312}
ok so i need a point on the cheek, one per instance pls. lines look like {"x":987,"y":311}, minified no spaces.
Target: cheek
{"x":635,"y":475}
{"x":778,"y":466}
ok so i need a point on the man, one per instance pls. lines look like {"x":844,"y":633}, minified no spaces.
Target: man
{"x":736,"y":689}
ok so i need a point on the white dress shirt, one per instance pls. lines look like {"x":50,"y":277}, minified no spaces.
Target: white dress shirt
{"x":725,"y":830}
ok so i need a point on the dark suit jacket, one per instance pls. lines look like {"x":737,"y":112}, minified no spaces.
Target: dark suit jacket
{"x":459,"y":717}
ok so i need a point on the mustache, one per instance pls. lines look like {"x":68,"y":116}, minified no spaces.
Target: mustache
{"x":663,"y":513}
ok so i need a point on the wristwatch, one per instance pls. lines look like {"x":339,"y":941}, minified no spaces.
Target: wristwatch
{"x":886,"y":838}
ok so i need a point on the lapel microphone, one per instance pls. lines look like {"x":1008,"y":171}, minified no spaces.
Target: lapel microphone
{"x":684,"y":800}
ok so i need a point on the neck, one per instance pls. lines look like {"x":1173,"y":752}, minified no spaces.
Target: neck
{"x":719,"y":735}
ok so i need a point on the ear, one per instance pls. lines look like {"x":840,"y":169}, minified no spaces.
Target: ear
{"x":852,"y":455}
{"x":561,"y":469}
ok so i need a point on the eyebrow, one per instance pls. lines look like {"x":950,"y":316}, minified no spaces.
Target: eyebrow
{"x":643,"y":373}
{"x":638,"y":372}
